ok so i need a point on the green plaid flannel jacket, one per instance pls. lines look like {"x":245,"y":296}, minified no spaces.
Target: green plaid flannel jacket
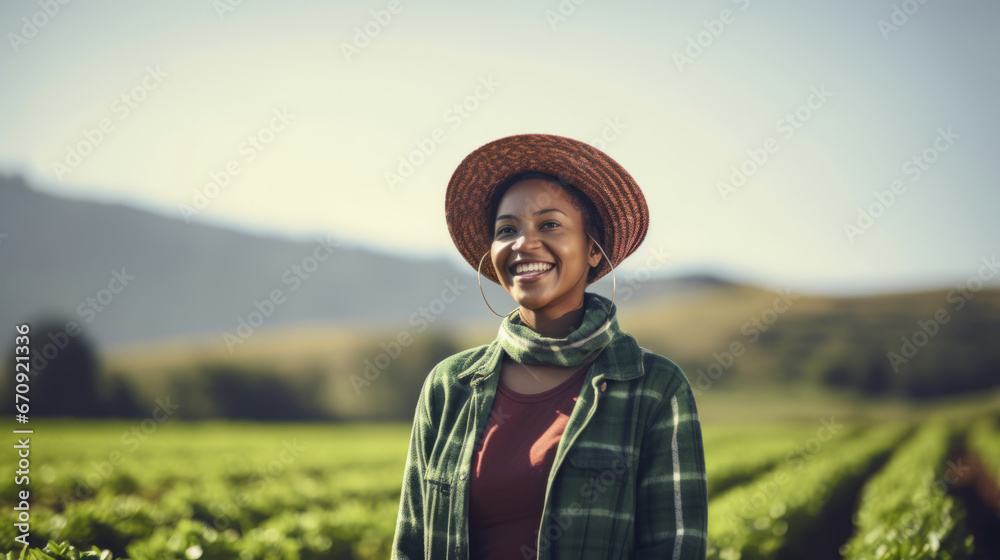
{"x":628,"y":478}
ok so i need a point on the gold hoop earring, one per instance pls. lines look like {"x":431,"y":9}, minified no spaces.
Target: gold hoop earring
{"x":480,"y":279}
{"x":614,"y":283}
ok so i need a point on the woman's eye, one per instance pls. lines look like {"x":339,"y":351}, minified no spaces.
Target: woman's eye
{"x":507,"y":229}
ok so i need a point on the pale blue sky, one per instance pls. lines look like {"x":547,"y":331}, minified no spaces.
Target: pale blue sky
{"x":683,"y":129}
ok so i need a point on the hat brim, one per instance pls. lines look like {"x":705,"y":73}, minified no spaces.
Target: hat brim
{"x":614,"y":192}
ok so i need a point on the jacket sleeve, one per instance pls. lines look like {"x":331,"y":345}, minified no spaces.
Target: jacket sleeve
{"x":408,"y":541}
{"x":671,"y":510}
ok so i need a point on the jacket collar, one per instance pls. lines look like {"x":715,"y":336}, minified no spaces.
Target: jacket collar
{"x":621,"y":360}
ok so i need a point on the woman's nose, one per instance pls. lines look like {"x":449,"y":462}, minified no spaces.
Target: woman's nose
{"x":524,"y":240}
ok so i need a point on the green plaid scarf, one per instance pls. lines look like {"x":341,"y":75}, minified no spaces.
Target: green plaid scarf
{"x":598,"y":329}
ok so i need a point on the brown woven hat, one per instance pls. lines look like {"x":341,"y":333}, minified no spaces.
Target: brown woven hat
{"x":615,"y":194}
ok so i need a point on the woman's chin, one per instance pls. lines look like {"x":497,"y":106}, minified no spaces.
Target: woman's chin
{"x":531,"y":299}
{"x":522,"y":294}
{"x":526,"y":301}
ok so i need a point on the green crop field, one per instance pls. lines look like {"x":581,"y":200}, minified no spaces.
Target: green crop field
{"x":186,"y":490}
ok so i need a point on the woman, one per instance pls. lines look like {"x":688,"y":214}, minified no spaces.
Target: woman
{"x":562,"y":438}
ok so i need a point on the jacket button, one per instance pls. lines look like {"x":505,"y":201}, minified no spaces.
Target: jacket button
{"x":604,"y":385}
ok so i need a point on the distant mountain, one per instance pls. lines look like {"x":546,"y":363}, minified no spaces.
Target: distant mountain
{"x":126,"y":274}
{"x":727,"y":340}
{"x":154,"y":294}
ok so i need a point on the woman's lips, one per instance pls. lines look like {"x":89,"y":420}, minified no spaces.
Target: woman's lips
{"x":533,"y":275}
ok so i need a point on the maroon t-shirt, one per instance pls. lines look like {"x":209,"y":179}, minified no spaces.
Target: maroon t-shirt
{"x":511,"y":464}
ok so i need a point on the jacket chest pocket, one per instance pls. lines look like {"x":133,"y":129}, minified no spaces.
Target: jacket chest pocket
{"x":604,"y":481}
{"x":438,"y":495}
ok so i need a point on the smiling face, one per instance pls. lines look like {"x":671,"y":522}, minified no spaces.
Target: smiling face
{"x":540,"y":249}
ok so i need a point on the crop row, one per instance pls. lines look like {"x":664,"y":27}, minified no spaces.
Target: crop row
{"x":906,"y":512}
{"x":279,"y":492}
{"x":984,"y":441}
{"x":736,"y":460}
{"x":783,"y":506}
{"x":216,"y":491}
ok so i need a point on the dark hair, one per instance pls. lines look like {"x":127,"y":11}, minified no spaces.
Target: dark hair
{"x":592,"y":222}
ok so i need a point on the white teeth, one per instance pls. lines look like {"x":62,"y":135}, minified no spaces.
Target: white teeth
{"x":532,"y":267}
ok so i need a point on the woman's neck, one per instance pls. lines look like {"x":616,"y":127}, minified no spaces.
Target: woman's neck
{"x":553,"y":324}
